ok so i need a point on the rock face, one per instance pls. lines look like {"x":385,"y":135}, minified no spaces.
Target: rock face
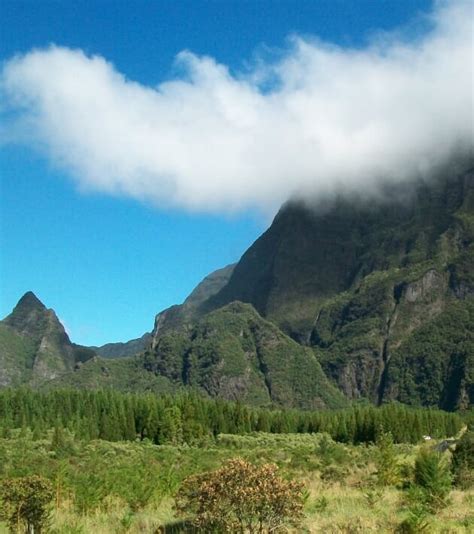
{"x":360,"y":282}
{"x":36,"y":346}
{"x":311,"y":254}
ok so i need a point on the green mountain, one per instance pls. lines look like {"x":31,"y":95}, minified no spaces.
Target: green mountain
{"x":351,"y":298}
{"x":121,"y":350}
{"x":34,"y":345}
{"x":168,"y":319}
{"x":367,"y":284}
{"x":235,"y":354}
{"x":182,"y":315}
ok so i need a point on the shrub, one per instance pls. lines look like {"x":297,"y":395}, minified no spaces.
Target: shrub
{"x":388,"y":470}
{"x":463,"y":461}
{"x":373,"y":497}
{"x":416,"y":522}
{"x":241,"y":497}
{"x":432,"y":476}
{"x":330,"y":452}
{"x":25,"y":503}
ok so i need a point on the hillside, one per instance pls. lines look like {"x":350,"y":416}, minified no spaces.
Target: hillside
{"x":235,"y":354}
{"x":177,"y":314}
{"x":181,"y":315}
{"x":121,"y":350}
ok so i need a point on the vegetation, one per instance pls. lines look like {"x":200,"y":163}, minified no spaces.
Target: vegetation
{"x":192,"y":419}
{"x":435,"y":364}
{"x":241,"y":497}
{"x":388,"y":469}
{"x":359,"y":300}
{"x":463,"y":461}
{"x":432,"y":479}
{"x":25,"y":503}
{"x":374,"y":302}
{"x":129,"y":486}
{"x":235,"y":354}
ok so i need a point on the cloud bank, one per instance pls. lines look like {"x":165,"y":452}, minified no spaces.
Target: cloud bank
{"x":319,"y":118}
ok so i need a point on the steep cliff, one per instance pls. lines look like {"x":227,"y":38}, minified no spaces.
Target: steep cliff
{"x":357,"y":279}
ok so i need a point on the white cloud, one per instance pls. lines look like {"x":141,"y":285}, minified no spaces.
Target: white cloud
{"x":214,"y":141}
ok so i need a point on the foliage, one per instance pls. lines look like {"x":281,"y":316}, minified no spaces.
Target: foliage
{"x":25,"y":503}
{"x":241,"y":497}
{"x":108,"y":487}
{"x":388,"y":470}
{"x":463,"y":461}
{"x":434,"y":365}
{"x":416,"y":522}
{"x":234,"y":353}
{"x":373,"y":497}
{"x":432,"y":478}
{"x":193,"y":419}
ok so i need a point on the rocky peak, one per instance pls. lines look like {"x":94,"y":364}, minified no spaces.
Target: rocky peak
{"x":31,"y":317}
{"x":29,"y":301}
{"x":51,"y":349}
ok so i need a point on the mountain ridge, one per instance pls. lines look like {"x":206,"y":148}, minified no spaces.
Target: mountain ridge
{"x":355,"y":280}
{"x":375,"y":299}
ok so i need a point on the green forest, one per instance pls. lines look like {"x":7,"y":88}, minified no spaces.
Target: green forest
{"x":192,"y":419}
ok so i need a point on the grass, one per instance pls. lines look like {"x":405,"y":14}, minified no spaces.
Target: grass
{"x":342,"y":492}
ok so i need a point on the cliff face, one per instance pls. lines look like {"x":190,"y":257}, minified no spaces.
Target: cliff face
{"x":311,"y":254}
{"x":360,"y":281}
{"x":36,"y":346}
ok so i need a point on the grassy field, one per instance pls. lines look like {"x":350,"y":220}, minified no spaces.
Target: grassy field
{"x":103,"y":487}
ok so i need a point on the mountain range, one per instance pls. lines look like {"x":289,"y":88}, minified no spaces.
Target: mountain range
{"x":352,"y":298}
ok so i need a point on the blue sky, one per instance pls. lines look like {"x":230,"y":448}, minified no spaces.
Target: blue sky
{"x":107,"y":260}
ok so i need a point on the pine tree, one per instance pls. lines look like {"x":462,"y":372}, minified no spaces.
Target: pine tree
{"x":388,"y":469}
{"x":433,"y":477}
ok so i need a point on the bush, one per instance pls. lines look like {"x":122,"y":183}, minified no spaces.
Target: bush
{"x":241,"y":497}
{"x":388,"y":470}
{"x":25,"y":503}
{"x":433,"y":479}
{"x":416,"y":522}
{"x":463,"y":461}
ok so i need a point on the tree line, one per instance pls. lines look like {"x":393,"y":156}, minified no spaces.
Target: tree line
{"x":189,"y":418}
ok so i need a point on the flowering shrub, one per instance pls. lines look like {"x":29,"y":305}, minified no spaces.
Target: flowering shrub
{"x":241,"y":497}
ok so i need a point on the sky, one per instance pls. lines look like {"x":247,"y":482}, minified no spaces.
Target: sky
{"x":145,"y":144}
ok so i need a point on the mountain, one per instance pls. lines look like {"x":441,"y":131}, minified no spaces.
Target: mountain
{"x":120,"y":350}
{"x":369,"y":284}
{"x":351,"y":298}
{"x":178,"y":314}
{"x":181,"y":315}
{"x":34,"y":345}
{"x":235,"y":354}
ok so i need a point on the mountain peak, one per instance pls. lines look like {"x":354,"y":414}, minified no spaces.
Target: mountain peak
{"x":49,"y":351}
{"x":29,"y":316}
{"x":30,"y":301}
